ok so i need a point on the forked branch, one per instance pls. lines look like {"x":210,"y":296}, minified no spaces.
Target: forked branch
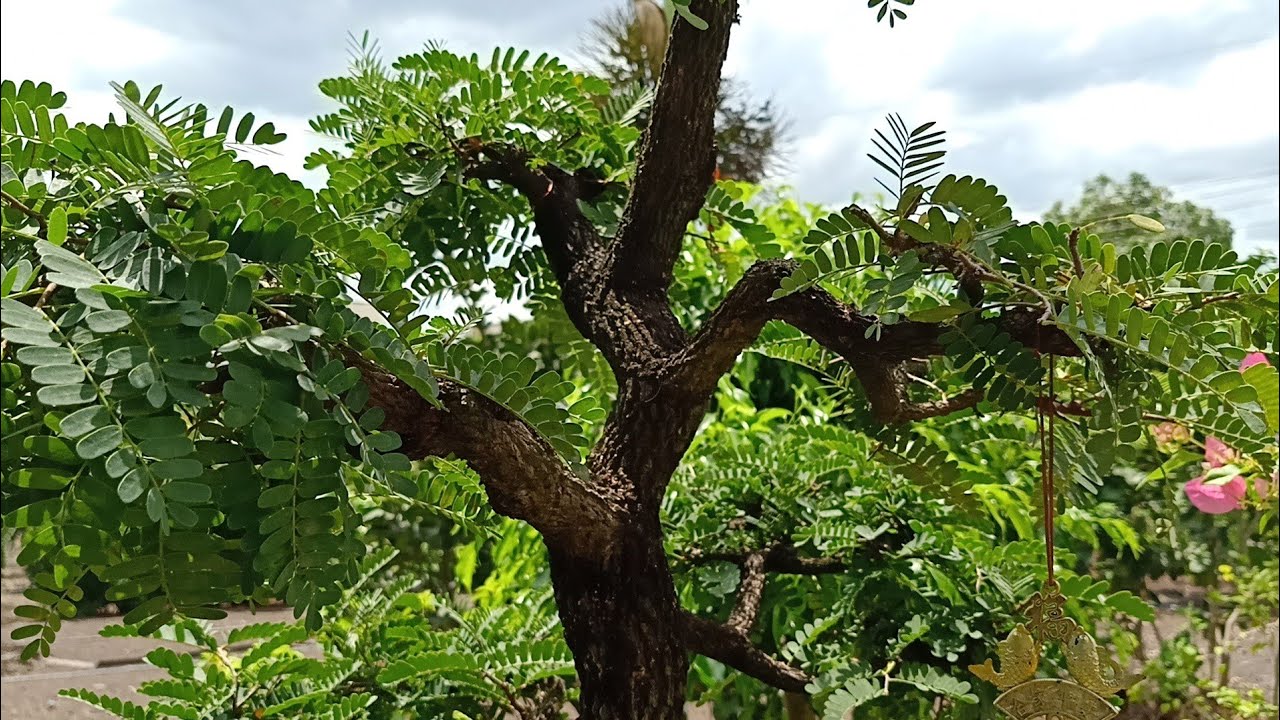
{"x":841,"y":328}
{"x":677,"y":159}
{"x":522,"y":474}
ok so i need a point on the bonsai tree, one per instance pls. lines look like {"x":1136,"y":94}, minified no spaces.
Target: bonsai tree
{"x":191,"y":405}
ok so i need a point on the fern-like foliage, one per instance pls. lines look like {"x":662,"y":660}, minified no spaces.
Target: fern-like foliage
{"x":178,"y":388}
{"x":907,"y":155}
{"x":406,"y":124}
{"x":495,"y":658}
{"x":538,"y":398}
{"x":1151,"y":324}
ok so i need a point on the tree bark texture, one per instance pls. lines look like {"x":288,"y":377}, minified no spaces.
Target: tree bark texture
{"x":622,"y":620}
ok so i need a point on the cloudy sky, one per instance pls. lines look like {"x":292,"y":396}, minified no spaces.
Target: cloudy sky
{"x":1037,"y":96}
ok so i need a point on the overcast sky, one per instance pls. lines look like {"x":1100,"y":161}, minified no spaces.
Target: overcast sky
{"x":1037,"y":96}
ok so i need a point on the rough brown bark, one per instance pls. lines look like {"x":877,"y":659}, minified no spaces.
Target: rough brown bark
{"x":523,"y":475}
{"x":622,"y":620}
{"x":736,"y":650}
{"x":678,"y":158}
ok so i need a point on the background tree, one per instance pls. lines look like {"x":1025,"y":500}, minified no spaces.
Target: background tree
{"x":193,"y":413}
{"x":626,"y":46}
{"x":1104,"y":198}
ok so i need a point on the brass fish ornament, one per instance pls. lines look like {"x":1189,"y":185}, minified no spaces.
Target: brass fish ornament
{"x":1095,"y":674}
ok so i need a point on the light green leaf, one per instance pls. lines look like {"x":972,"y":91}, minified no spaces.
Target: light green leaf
{"x":16,"y":314}
{"x":58,"y":374}
{"x":106,"y":321}
{"x":99,"y":442}
{"x":39,"y":479}
{"x":132,"y":485}
{"x":68,"y":269}
{"x":66,"y":394}
{"x":155,"y":505}
{"x":56,"y":227}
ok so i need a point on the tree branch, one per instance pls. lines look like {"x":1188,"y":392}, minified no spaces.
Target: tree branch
{"x":886,"y":388}
{"x":968,"y":273}
{"x":569,"y":239}
{"x":523,"y":475}
{"x":21,"y":207}
{"x":1073,"y":244}
{"x":750,"y":593}
{"x":722,"y":643}
{"x":778,"y":559}
{"x":839,"y":327}
{"x":677,"y":160}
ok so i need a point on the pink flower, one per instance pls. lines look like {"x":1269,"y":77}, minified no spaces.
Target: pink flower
{"x":1216,"y":498}
{"x":1252,"y":359}
{"x":1217,"y":453}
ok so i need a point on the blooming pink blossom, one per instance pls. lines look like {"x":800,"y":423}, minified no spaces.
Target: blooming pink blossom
{"x":1217,"y":453}
{"x":1215,"y":498}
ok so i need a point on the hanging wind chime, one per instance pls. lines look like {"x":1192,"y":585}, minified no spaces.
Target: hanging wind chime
{"x":1097,"y":676}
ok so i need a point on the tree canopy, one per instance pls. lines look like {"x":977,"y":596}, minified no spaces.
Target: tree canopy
{"x":743,"y":429}
{"x":1105,"y":200}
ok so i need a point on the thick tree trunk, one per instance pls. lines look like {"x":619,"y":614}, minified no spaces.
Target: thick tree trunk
{"x":622,"y":620}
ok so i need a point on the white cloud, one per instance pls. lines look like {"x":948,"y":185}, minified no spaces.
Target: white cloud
{"x":1037,"y":96}
{"x":1233,"y":101}
{"x":59,"y":41}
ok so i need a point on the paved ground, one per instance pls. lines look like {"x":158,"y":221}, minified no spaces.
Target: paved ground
{"x":84,"y":659}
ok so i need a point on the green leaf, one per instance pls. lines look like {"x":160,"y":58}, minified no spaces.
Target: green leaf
{"x":57,"y":395}
{"x":179,"y":469}
{"x":39,"y":479}
{"x":34,"y":515}
{"x":1266,"y":380}
{"x":132,"y":485}
{"x":1131,"y":605}
{"x":942,"y":313}
{"x":188,"y":493}
{"x":107,"y":321}
{"x":51,"y":448}
{"x":99,"y":442}
{"x":683,"y":9}
{"x":165,"y":448}
{"x":17,"y":314}
{"x":56,"y":231}
{"x":266,"y":135}
{"x":273,"y":496}
{"x":852,"y":695}
{"x":156,"y":426}
{"x":425,"y":664}
{"x":58,"y":374}
{"x":29,"y":336}
{"x":68,"y":269}
{"x":155,"y":505}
